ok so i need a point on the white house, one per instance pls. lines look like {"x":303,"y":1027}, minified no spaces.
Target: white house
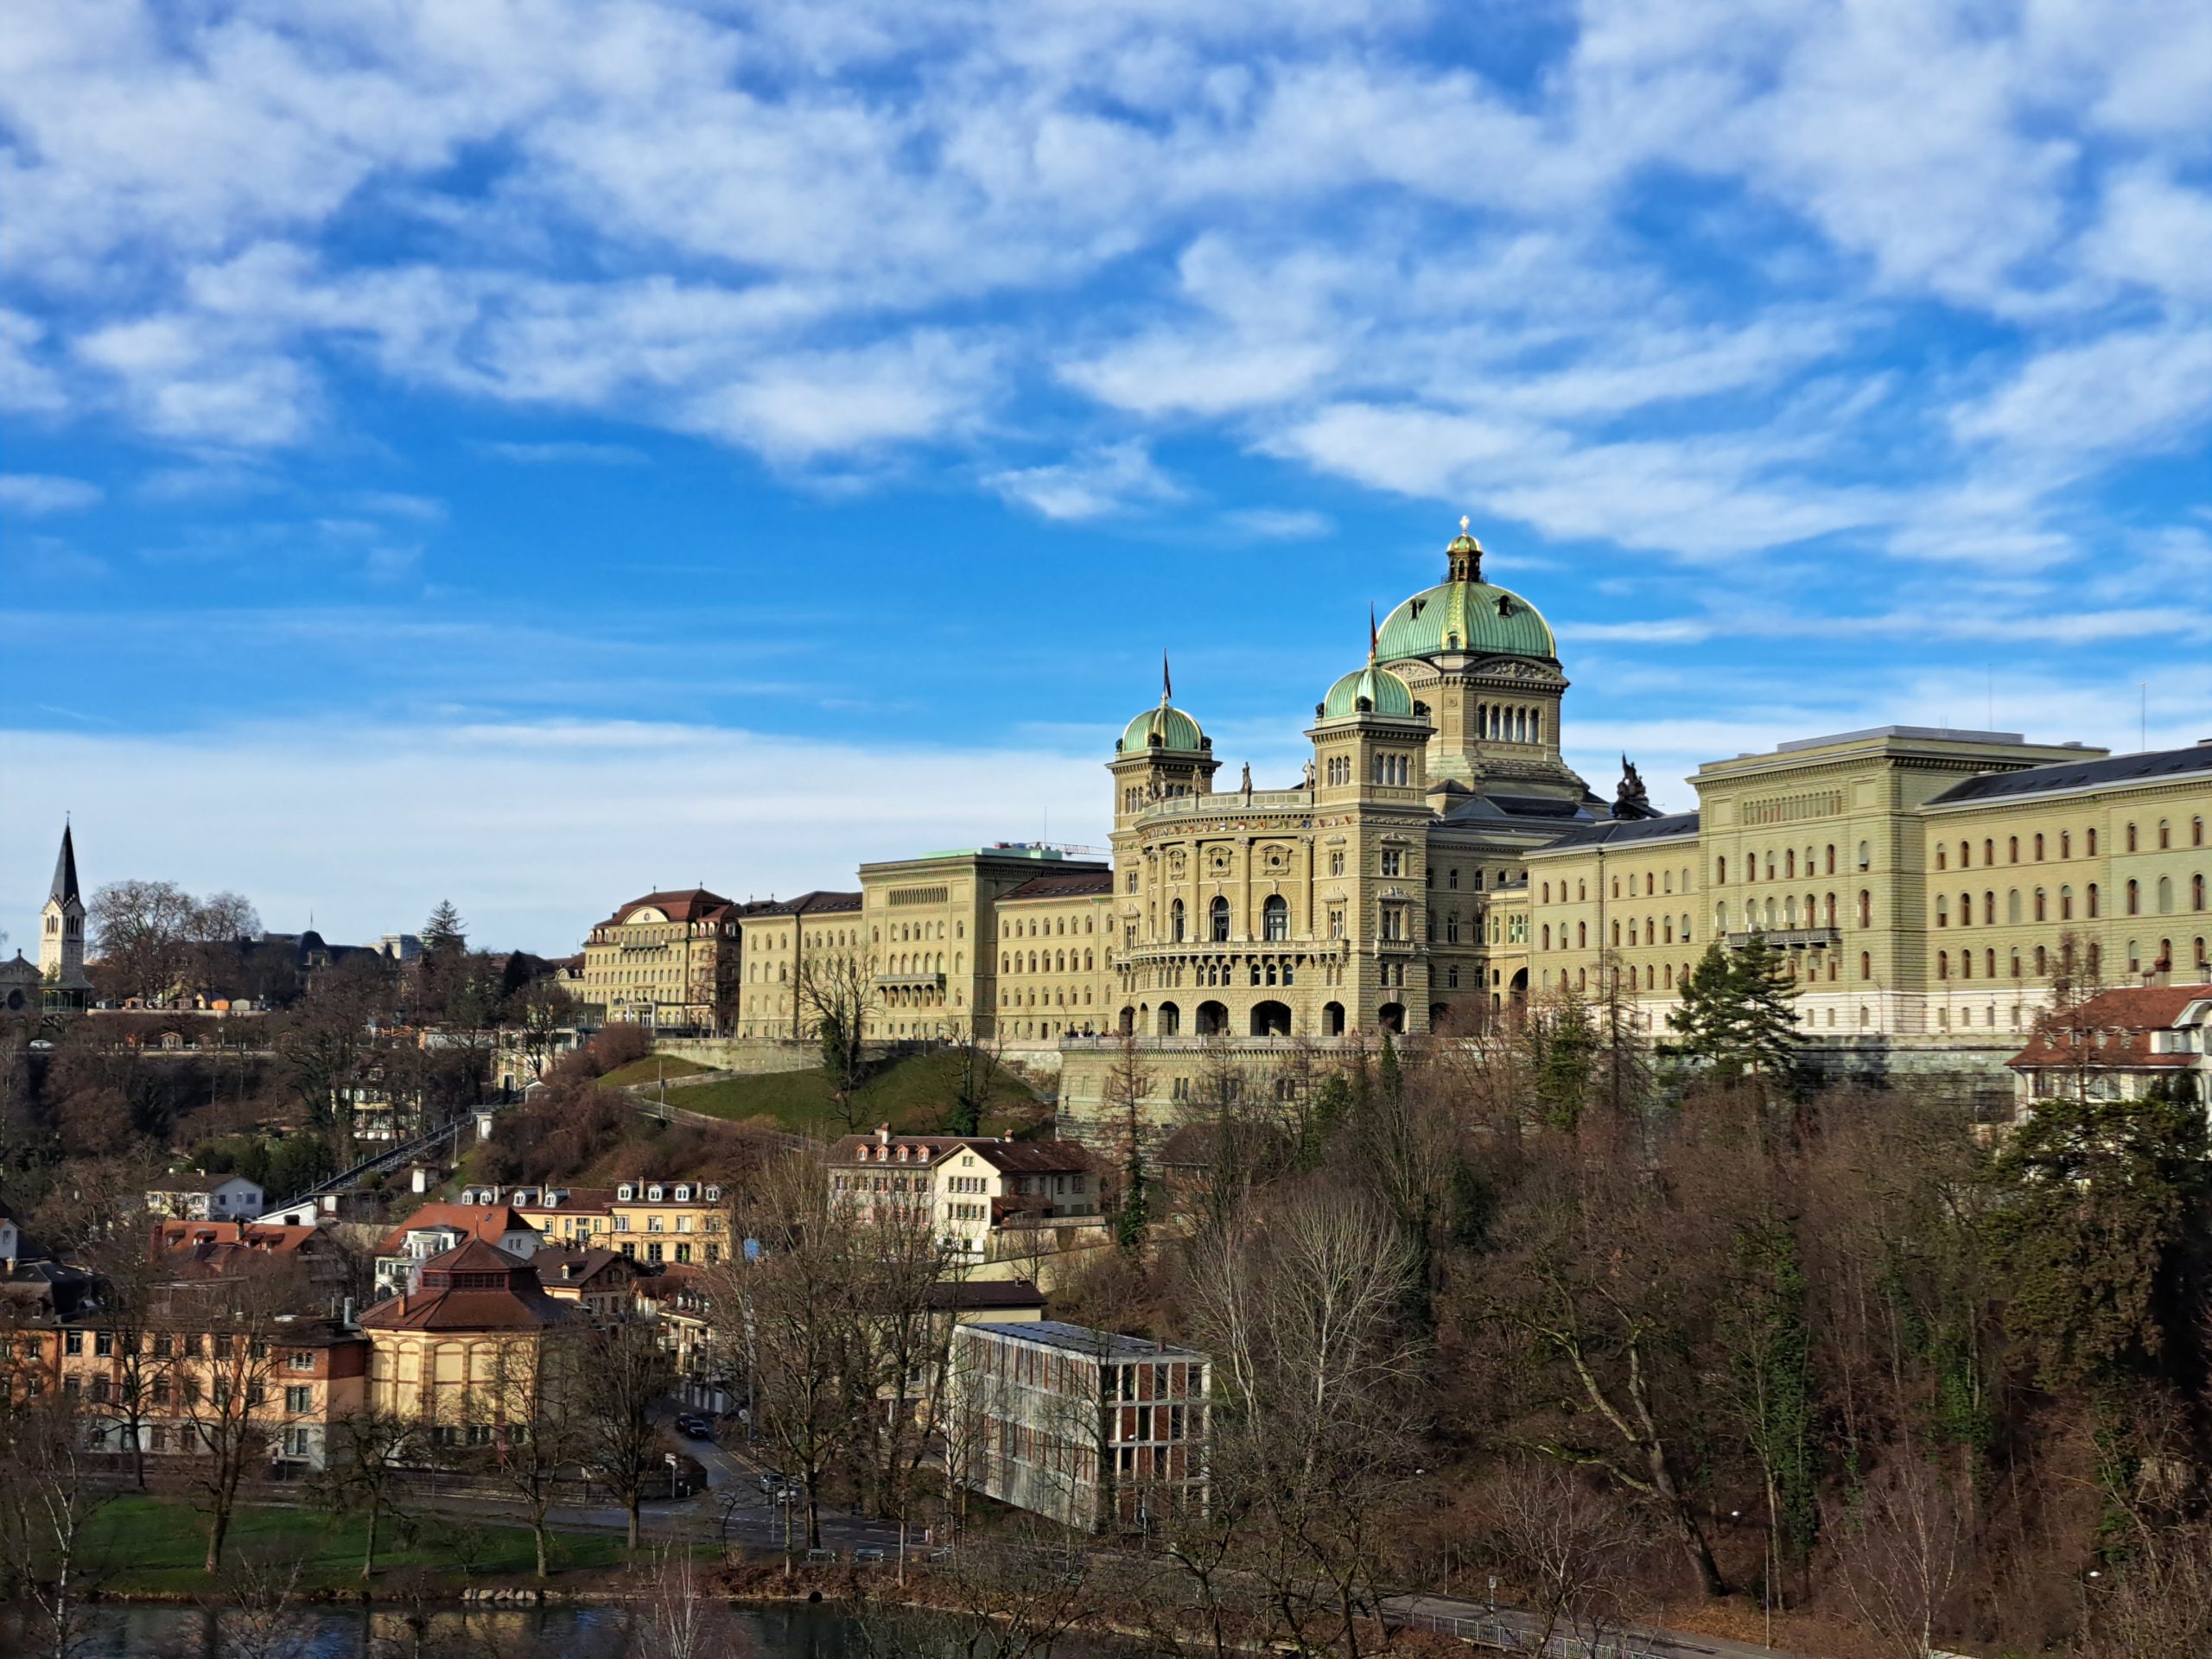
{"x":189,"y":1197}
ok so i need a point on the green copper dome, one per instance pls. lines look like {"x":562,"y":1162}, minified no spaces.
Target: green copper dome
{"x":1164,"y":727}
{"x":1463,"y":613}
{"x":1378,"y":689}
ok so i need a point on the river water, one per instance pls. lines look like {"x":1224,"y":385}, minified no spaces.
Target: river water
{"x":568,"y":1632}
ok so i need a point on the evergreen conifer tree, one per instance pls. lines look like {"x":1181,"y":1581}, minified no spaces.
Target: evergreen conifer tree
{"x":1736,"y":1013}
{"x":445,"y":930}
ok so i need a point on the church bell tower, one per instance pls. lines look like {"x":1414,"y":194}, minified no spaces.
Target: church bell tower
{"x":61,"y":933}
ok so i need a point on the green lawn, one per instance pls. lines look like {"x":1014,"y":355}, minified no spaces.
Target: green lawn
{"x":914,"y":1096}
{"x":152,"y":1546}
{"x":652,"y":1068}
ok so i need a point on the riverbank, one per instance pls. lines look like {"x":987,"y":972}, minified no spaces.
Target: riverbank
{"x":152,"y":1549}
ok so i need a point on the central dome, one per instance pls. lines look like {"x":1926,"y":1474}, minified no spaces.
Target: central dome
{"x":1466,"y":613}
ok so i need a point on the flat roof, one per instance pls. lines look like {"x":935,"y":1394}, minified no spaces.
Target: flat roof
{"x":1082,"y":1339}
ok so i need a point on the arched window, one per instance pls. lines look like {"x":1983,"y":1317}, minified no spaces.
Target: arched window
{"x":2196,"y":892}
{"x":1217,"y":920}
{"x":1275,"y":917}
{"x":1866,"y":965}
{"x":1175,"y":921}
{"x":1582,"y":936}
{"x":2066,"y":903}
{"x":2042,"y":905}
{"x":1866,"y":908}
{"x":2093,"y":900}
{"x":1942,"y":911}
{"x":1989,"y":910}
{"x":1547,"y":936}
{"x":2012,"y":850}
{"x":1828,"y":859}
{"x":1942,"y":860}
{"x":1719,"y":871}
{"x":1789,"y":864}
{"x":2089,"y":842}
{"x":2131,"y":838}
{"x":2042,"y":961}
{"x":1942,"y":964}
{"x":2197,"y":832}
{"x":1966,"y":964}
{"x":1989,"y":964}
{"x":1866,"y":856}
{"x":2038,"y":848}
{"x":1989,"y":852}
{"x":2134,"y":897}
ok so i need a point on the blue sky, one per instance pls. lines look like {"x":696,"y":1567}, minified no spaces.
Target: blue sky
{"x":533,"y":451}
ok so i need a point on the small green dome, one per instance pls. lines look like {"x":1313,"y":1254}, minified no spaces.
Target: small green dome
{"x":1369,"y":691}
{"x":1163,"y":727}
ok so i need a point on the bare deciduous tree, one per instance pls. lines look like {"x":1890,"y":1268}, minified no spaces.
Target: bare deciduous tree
{"x":1903,"y":1547}
{"x":1301,"y":1307}
{"x":54,"y":1493}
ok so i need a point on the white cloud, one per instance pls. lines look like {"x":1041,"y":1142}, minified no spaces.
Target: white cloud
{"x":565,"y":453}
{"x":34,"y":494}
{"x":1112,"y":478}
{"x":1279,"y":524}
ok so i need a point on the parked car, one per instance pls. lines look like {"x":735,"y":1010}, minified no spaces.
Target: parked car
{"x":771,"y":1481}
{"x":694,"y":1426}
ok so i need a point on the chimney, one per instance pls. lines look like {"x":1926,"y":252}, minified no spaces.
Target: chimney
{"x":883,"y":1134}
{"x":346,"y":1317}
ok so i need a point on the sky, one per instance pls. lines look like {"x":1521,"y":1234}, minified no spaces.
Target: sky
{"x":533,"y":452}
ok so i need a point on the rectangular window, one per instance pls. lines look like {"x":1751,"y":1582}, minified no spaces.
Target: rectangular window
{"x":104,"y":1342}
{"x":1394,"y":861}
{"x":73,"y":1342}
{"x":299,"y":1397}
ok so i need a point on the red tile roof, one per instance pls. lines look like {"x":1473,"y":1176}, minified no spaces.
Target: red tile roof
{"x":687,"y":905}
{"x":459,"y":1292}
{"x":490,"y":1222}
{"x":2122,"y":1022}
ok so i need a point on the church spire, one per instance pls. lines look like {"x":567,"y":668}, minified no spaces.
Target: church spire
{"x":64,"y":891}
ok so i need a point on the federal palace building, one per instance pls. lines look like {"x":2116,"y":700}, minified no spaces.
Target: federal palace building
{"x":1440,"y":862}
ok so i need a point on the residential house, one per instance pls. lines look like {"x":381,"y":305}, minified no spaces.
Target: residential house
{"x":1095,"y":1430}
{"x":600,"y":1280}
{"x":682,"y":1222}
{"x":2118,"y":1045}
{"x":300,"y":1374}
{"x":192,"y":1196}
{"x":990,"y":1199}
{"x":436,"y":1228}
{"x":210,"y":1249}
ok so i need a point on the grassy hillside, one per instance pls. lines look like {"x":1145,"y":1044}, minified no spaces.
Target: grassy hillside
{"x":914,"y":1096}
{"x":652,"y":1068}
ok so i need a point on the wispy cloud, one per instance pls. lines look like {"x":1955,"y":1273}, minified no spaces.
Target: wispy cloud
{"x":37,"y":494}
{"x":1115,"y":478}
{"x":565,"y":453}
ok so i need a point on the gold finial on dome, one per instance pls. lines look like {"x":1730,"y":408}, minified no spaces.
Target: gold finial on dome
{"x":1466,"y":553}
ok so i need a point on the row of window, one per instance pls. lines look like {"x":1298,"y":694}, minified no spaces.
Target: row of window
{"x":2162,"y":962}
{"x":2163,"y":894}
{"x":2131,"y":836}
{"x":1787,"y":869}
{"x":1654,"y":882}
{"x":1639,"y":931}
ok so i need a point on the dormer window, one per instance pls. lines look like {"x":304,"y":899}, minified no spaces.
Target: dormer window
{"x":683,"y":1195}
{"x":652,"y":1194}
{"x":625,"y":1192}
{"x":713,"y":1195}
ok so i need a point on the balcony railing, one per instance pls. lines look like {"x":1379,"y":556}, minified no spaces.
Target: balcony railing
{"x":1789,"y":939}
